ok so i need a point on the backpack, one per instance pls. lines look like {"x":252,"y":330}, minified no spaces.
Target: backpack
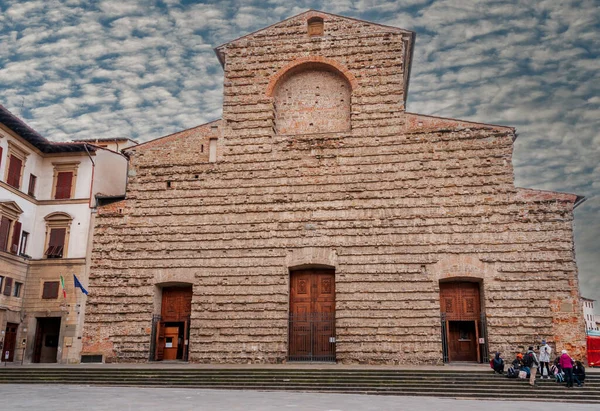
{"x":528,"y":359}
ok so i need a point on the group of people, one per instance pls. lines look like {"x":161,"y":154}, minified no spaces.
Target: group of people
{"x":563,"y":369}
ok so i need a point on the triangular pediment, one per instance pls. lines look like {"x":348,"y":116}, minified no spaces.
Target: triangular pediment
{"x":11,"y":207}
{"x":297,"y":24}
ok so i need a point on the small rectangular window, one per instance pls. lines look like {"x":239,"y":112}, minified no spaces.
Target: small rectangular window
{"x":31,"y":189}
{"x":16,"y":236}
{"x":1,"y":282}
{"x":64,"y":180}
{"x":212,"y":150}
{"x":23,"y":247}
{"x":8,"y":286}
{"x":4,"y":231}
{"x":14,"y":171}
{"x":315,"y":26}
{"x":56,"y":243}
{"x":50,"y":290}
{"x":17,"y":290}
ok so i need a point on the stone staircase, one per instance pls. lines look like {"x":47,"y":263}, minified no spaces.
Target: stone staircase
{"x":435,"y":383}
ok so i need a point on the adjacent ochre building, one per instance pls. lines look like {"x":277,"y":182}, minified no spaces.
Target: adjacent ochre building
{"x":47,"y":194}
{"x":320,"y":221}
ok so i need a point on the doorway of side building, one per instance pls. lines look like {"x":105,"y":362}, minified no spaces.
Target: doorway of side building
{"x":10,"y":342}
{"x":172,"y":328}
{"x":312,"y":315}
{"x":463,"y":325}
{"x":45,"y":349}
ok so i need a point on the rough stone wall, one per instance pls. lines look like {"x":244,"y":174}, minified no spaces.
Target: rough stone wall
{"x":395,"y":205}
{"x":312,"y":101}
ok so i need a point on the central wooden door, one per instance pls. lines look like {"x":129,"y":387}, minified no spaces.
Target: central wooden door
{"x":461,"y":309}
{"x":312,"y":315}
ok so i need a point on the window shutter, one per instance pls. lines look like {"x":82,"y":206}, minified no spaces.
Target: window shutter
{"x":8,"y":285}
{"x":32,"y":180}
{"x":1,"y":151}
{"x":50,"y":290}
{"x":14,"y":247}
{"x":63,"y":185}
{"x":14,"y":171}
{"x":56,"y":244}
{"x":4,"y":229}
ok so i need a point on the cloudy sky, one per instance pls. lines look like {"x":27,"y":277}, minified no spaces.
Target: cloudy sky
{"x":144,"y":69}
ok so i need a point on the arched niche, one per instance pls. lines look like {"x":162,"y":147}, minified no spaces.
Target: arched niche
{"x":312,"y":98}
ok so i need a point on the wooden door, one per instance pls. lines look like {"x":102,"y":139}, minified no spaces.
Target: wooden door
{"x":37,"y":346}
{"x":10,"y":341}
{"x":171,"y":344}
{"x":160,"y":341}
{"x":460,"y":302}
{"x":462,"y":340}
{"x":176,"y":304}
{"x":312,"y":315}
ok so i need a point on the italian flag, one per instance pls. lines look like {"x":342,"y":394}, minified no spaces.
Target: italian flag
{"x":62,"y":283}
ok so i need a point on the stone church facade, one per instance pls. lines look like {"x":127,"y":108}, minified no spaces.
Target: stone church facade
{"x":318,"y":220}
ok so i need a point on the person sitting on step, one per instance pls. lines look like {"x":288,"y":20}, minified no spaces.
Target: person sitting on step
{"x":498,"y":364}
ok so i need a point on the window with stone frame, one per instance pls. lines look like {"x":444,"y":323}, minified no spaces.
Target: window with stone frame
{"x":58,"y":227}
{"x":316,"y":26}
{"x":17,"y":289}
{"x":7,"y":286}
{"x":50,"y":290}
{"x":65,"y":176}
{"x":15,"y":164}
{"x":10,"y":226}
{"x":32,"y":182}
{"x":5,"y":225}
{"x":23,"y":246}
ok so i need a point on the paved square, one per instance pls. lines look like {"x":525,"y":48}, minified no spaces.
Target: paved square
{"x":92,"y":398}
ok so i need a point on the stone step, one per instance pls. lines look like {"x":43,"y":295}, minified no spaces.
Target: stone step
{"x":349,"y":379}
{"x":451,"y":384}
{"x":237,"y":372}
{"x":529,"y":393}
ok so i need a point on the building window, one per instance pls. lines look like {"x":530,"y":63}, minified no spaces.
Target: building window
{"x":7,"y":286}
{"x":212,"y":150}
{"x":6,"y":227}
{"x":315,"y":26}
{"x":50,"y":290}
{"x":56,"y":243}
{"x":64,"y":182}
{"x":58,"y":227}
{"x":16,"y":236}
{"x":14,"y":171}
{"x":65,"y":176}
{"x":17,"y":290}
{"x":5,"y":224}
{"x":23,"y":247}
{"x":16,"y":163}
{"x":10,"y":227}
{"x":1,"y":282}
{"x":31,"y":189}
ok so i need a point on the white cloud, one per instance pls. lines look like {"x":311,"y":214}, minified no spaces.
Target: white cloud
{"x":141,"y":69}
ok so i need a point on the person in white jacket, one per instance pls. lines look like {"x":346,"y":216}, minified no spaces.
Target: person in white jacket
{"x":545,"y":353}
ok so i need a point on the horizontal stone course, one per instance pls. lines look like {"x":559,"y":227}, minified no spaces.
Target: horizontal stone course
{"x":395,"y":202}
